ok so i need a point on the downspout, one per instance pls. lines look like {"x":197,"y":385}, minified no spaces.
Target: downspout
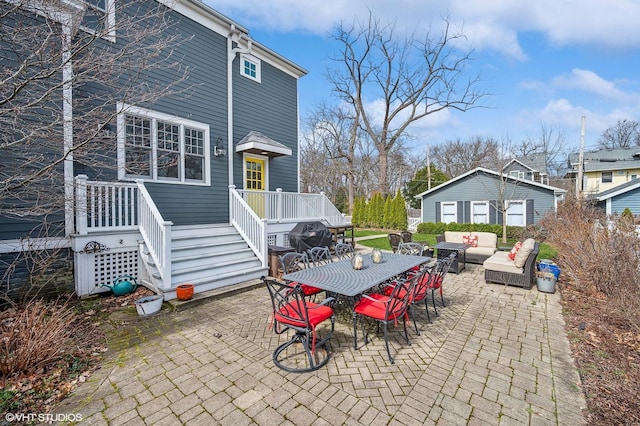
{"x":235,"y":36}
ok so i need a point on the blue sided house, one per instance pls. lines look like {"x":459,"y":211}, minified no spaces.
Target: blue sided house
{"x":194,"y":184}
{"x":477,"y":196}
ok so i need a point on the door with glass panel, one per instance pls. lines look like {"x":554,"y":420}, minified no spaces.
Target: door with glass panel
{"x":254,"y":183}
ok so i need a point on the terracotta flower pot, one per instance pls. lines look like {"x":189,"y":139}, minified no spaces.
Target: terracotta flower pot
{"x":184,"y":291}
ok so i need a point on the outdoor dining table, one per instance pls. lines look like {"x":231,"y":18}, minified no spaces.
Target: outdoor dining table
{"x":340,"y":277}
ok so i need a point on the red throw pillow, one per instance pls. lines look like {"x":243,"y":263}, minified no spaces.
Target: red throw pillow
{"x":514,"y":250}
{"x":472,"y":241}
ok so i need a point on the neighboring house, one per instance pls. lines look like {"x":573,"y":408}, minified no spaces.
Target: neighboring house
{"x":615,"y":200}
{"x":473,"y":196}
{"x":207,"y":219}
{"x":606,"y":168}
{"x":533,"y":168}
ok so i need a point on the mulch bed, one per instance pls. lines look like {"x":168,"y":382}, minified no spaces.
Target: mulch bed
{"x":606,"y":350}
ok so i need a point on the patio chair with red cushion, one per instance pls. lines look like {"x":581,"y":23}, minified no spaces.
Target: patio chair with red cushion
{"x":440,"y":270}
{"x":385,"y":310}
{"x":422,"y":280}
{"x":292,"y":311}
{"x":293,"y":262}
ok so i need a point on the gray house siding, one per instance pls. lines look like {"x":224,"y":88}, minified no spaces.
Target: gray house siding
{"x":271,"y":108}
{"x":202,"y":97}
{"x":630,"y":199}
{"x":483,"y":187}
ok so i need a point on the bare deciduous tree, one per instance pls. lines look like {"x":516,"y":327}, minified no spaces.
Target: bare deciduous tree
{"x":408,"y":79}
{"x":456,"y":157}
{"x":550,"y":142}
{"x":65,"y":68}
{"x":624,"y":134}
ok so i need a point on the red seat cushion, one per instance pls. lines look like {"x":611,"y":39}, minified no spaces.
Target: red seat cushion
{"x":377,"y":309}
{"x":307,"y":289}
{"x":290,"y":314}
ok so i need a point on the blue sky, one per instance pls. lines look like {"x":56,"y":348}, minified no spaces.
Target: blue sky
{"x":545,"y":62}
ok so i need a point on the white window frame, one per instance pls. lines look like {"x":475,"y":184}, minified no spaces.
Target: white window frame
{"x":443,"y":206}
{"x":255,"y":62}
{"x":517,"y":174}
{"x":110,"y":17}
{"x":523,"y":222}
{"x":473,"y":213}
{"x":154,"y":117}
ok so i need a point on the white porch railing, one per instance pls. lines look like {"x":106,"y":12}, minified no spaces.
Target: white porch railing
{"x":412,"y":223}
{"x":252,"y":228}
{"x":105,"y":206}
{"x":282,"y":206}
{"x":156,"y":233}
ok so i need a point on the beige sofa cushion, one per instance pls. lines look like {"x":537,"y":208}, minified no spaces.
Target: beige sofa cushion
{"x":521,"y":257}
{"x":486,"y":239}
{"x":454,"y":236}
{"x":499,"y":261}
{"x":482,"y":251}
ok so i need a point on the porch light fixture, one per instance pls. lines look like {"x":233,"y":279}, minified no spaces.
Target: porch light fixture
{"x":218,"y":149}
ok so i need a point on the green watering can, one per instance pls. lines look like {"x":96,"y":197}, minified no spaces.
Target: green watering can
{"x":122,"y":285}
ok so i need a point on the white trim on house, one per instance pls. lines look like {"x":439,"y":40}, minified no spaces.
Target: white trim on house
{"x":155,"y":117}
{"x":33,"y":244}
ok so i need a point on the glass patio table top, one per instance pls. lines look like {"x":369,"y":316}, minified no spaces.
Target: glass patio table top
{"x":340,"y":277}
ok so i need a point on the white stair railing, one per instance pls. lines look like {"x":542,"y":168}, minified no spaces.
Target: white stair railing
{"x":156,"y":233}
{"x":252,"y":228}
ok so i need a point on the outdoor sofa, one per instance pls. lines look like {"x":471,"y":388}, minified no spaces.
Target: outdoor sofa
{"x":483,"y":244}
{"x":520,"y":272}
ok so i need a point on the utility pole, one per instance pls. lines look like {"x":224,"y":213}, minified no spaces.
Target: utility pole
{"x":579,"y":187}
{"x":428,"y":168}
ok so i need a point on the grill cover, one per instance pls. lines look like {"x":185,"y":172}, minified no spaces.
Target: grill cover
{"x":306,"y":235}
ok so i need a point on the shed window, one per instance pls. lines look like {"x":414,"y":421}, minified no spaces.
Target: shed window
{"x":449,"y":212}
{"x":516,"y":213}
{"x":479,"y":212}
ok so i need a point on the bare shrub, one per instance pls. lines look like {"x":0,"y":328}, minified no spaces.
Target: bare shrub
{"x":600,"y":255}
{"x":34,"y":336}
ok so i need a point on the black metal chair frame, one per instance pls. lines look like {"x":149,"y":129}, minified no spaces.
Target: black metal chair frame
{"x":293,"y":262}
{"x":344,"y":251}
{"x":396,"y":308}
{"x":441,"y":268}
{"x":413,"y":249}
{"x":407,"y":236}
{"x":394,"y":240}
{"x":291,"y":312}
{"x":320,"y":256}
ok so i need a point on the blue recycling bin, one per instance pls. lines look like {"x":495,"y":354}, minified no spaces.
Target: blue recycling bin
{"x":549,"y":266}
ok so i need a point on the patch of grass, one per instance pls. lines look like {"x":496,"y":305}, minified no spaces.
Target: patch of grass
{"x":369,"y":232}
{"x":381,"y":243}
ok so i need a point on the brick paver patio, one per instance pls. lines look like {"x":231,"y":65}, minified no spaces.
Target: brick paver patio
{"x":495,"y":355}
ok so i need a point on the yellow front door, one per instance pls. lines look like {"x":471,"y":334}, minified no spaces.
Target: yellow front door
{"x":254,"y":180}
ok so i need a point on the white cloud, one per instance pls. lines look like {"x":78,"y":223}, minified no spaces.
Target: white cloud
{"x":591,"y":82}
{"x":488,"y":24}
